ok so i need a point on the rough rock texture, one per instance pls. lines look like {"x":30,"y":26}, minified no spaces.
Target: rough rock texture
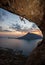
{"x":37,"y":57}
{"x":33,"y":10}
{"x":10,"y":57}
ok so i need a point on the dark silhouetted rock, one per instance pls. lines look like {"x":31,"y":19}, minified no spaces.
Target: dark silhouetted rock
{"x":30,"y":36}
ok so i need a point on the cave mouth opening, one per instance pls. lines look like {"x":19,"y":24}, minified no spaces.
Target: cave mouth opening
{"x":14,"y":26}
{"x":18,"y":35}
{"x":10,"y":22}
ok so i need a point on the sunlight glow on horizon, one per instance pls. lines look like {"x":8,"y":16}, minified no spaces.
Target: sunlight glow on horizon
{"x":12,"y":33}
{"x":17,"y":33}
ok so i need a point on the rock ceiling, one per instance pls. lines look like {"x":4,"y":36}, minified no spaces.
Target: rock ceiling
{"x":33,"y":10}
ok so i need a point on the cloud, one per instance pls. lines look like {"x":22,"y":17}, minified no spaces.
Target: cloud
{"x":22,"y":19}
{"x":1,"y":18}
{"x":2,"y":14}
{"x":16,"y":27}
{"x":6,"y":31}
{"x":19,"y":27}
{"x":34,"y":26}
{"x":0,"y":28}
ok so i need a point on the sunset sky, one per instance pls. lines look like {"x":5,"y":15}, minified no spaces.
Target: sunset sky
{"x":12,"y":24}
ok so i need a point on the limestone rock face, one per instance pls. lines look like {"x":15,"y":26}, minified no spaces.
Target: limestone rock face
{"x":33,"y":10}
{"x":30,"y":9}
{"x":38,"y":56}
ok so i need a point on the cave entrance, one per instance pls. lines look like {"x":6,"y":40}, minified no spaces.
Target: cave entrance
{"x":18,"y":33}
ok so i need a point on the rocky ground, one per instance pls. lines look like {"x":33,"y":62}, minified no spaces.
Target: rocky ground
{"x":10,"y":57}
{"x":37,"y":57}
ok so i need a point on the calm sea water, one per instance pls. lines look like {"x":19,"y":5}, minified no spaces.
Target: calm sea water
{"x":26,"y":46}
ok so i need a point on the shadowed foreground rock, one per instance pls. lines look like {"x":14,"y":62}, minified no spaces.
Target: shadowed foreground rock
{"x":10,"y":57}
{"x":38,"y":56}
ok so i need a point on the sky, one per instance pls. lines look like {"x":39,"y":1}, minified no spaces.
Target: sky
{"x":12,"y":24}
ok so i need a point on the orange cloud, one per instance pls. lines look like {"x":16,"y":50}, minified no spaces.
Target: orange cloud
{"x":37,"y":31}
{"x":17,"y":33}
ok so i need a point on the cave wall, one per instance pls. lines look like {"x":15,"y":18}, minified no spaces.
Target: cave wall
{"x":33,"y":10}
